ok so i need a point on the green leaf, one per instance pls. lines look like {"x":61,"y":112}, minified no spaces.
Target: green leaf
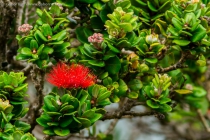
{"x":47,"y":50}
{"x":104,"y":75}
{"x":151,"y":6}
{"x":46,"y":30}
{"x":47,"y":18}
{"x":104,"y":12}
{"x":97,"y":63}
{"x":61,"y":131}
{"x":59,"y":36}
{"x":133,"y":95}
{"x":38,"y":35}
{"x":83,"y":97}
{"x":103,"y":96}
{"x":55,"y":10}
{"x":96,"y":117}
{"x":39,"y":12}
{"x":98,"y":5}
{"x":61,"y":47}
{"x":67,"y":3}
{"x":152,"y":104}
{"x":39,"y":51}
{"x":124,"y":4}
{"x":126,"y":26}
{"x":165,"y":108}
{"x":151,"y":60}
{"x":88,"y":114}
{"x":178,"y":25}
{"x":113,"y":65}
{"x":181,"y":42}
{"x":49,"y":131}
{"x":83,"y":33}
{"x":22,"y":57}
{"x":54,"y":113}
{"x":17,"y":135}
{"x":22,"y":126}
{"x":198,"y":34}
{"x":173,"y":30}
{"x":122,"y":87}
{"x":107,"y":81}
{"x":26,"y":51}
{"x":66,"y":108}
{"x":95,"y":91}
{"x":164,"y":100}
{"x":33,"y":44}
{"x":112,"y":48}
{"x":96,"y":23}
{"x":114,"y":99}
{"x":22,"y":87}
{"x":201,"y":63}
{"x":88,"y":1}
{"x":199,"y":91}
{"x":183,"y":91}
{"x":135,"y":84}
{"x":65,"y":121}
{"x":85,"y":122}
{"x":43,"y":120}
{"x":48,"y":103}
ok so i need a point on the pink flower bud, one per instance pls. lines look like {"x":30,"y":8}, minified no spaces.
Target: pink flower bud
{"x":96,"y":38}
{"x":25,"y":28}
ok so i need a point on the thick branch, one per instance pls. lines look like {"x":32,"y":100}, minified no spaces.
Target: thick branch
{"x":116,"y":115}
{"x":179,"y":64}
{"x":20,"y":13}
{"x":125,"y":111}
{"x":37,"y":77}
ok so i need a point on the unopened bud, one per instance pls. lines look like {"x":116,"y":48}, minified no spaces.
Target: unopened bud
{"x":25,"y":28}
{"x":189,"y":86}
{"x":96,"y":38}
{"x":152,"y":38}
{"x":59,"y":102}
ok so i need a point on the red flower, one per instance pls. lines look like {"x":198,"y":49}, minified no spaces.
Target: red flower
{"x":73,"y":76}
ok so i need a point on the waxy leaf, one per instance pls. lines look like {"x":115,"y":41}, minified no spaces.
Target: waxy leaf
{"x":113,"y":65}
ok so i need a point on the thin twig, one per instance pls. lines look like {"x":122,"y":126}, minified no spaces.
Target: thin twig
{"x":203,"y":120}
{"x":112,"y":126}
{"x":27,"y":69}
{"x":179,"y":64}
{"x":125,"y":111}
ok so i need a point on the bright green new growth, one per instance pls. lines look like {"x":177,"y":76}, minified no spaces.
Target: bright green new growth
{"x":157,"y":93}
{"x":73,"y":111}
{"x":47,"y":41}
{"x":120,"y":23}
{"x":12,"y":93}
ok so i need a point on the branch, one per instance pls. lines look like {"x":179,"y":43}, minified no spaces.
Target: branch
{"x":116,"y":115}
{"x":125,"y":111}
{"x":111,"y":127}
{"x":37,"y":77}
{"x":179,"y":64}
{"x":20,"y":13}
{"x":27,"y":69}
{"x":203,"y":120}
{"x":26,"y":11}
